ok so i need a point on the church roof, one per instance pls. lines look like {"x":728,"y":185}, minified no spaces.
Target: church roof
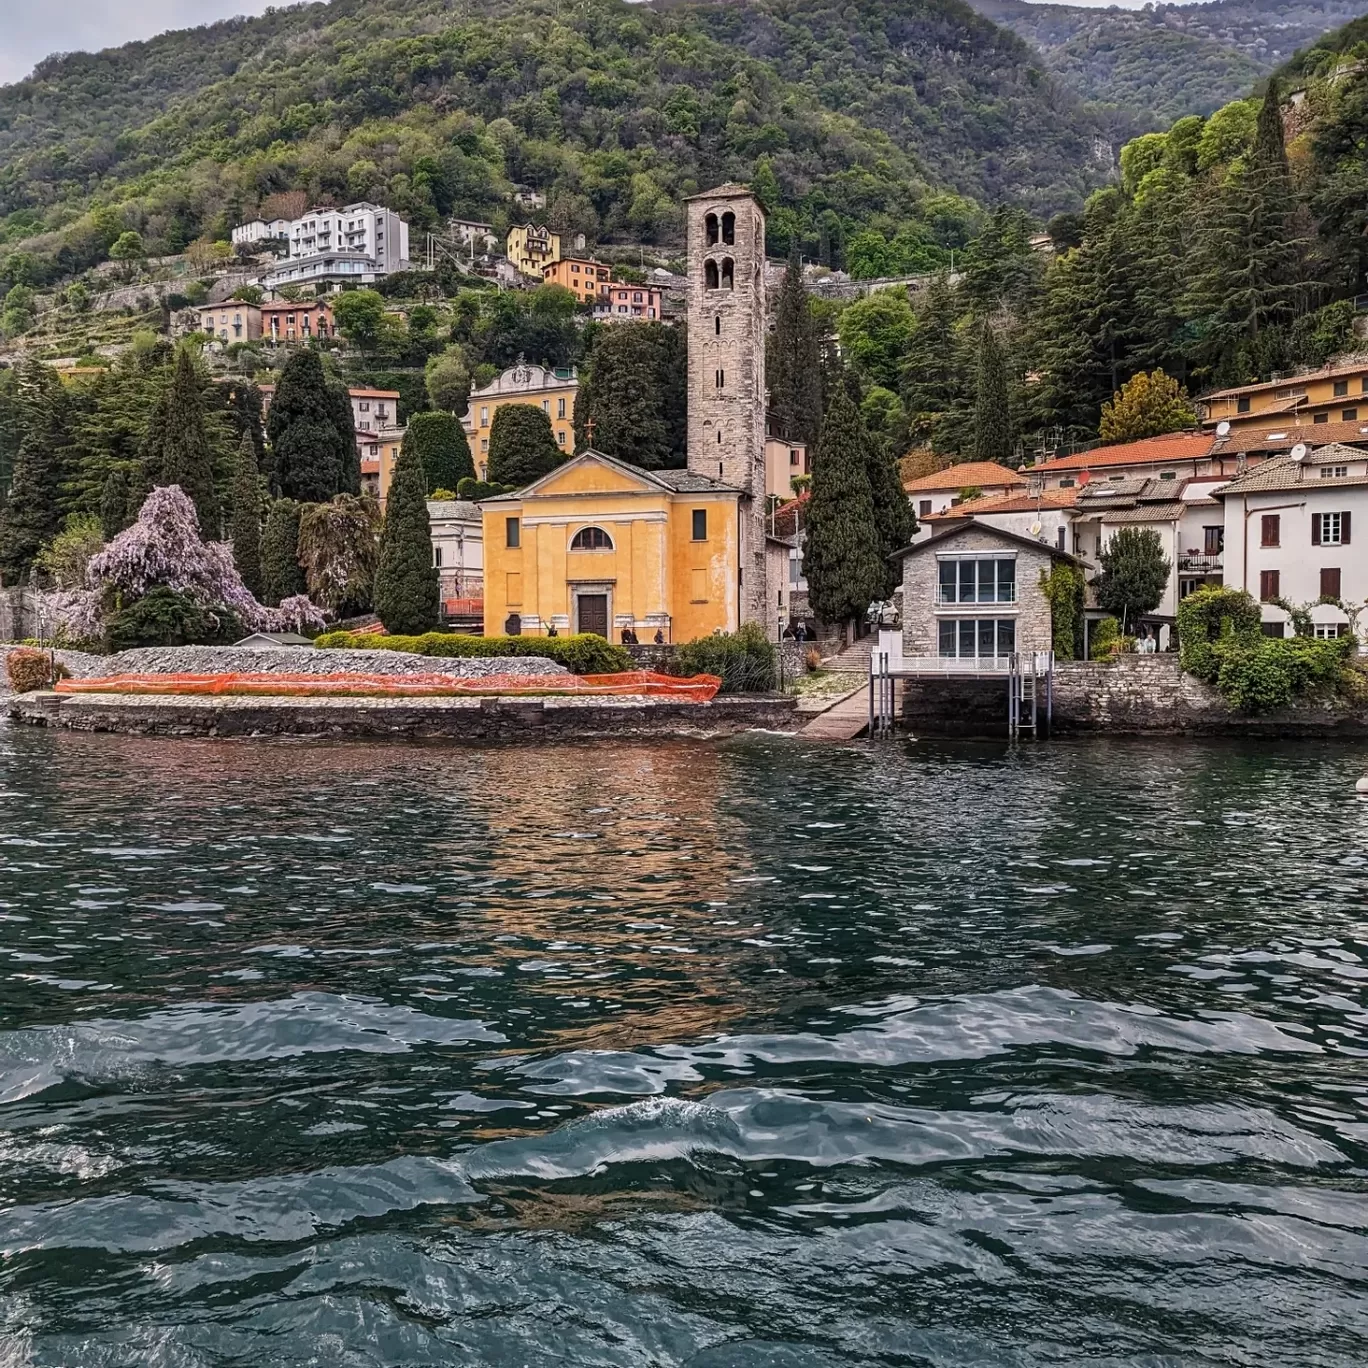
{"x":676,"y":481}
{"x":731,"y":190}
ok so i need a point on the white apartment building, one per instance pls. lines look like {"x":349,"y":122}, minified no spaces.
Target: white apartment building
{"x":1290,"y":527}
{"x":358,"y":243}
{"x":457,"y":548}
{"x":260,"y":230}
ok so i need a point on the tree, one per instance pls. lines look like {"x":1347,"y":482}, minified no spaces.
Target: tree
{"x":447,"y":377}
{"x":178,"y":449}
{"x":792,"y":365}
{"x":1146,"y":406}
{"x":406,"y":583}
{"x":933,"y":378}
{"x":311,"y":453}
{"x":522,"y":446}
{"x":128,"y":247}
{"x":115,"y":497}
{"x":339,"y":548}
{"x":993,"y":440}
{"x":894,"y":519}
{"x":360,"y":315}
{"x":634,"y":392}
{"x":843,"y":555}
{"x":245,"y":526}
{"x":32,"y":511}
{"x":281,"y":574}
{"x":1134,"y":575}
{"x":348,"y":452}
{"x":439,"y":442}
{"x":875,"y":333}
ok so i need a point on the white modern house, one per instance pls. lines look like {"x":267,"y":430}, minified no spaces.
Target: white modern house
{"x":260,"y":230}
{"x":457,"y":548}
{"x":358,"y":243}
{"x":1289,"y":532}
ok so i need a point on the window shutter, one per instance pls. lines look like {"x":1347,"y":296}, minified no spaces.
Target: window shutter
{"x":1315,"y":529}
{"x":1344,"y":529}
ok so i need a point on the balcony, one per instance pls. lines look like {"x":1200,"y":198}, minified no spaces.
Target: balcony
{"x":1200,"y":562}
{"x":948,"y":597}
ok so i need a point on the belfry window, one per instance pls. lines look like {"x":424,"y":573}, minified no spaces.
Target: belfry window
{"x":729,"y":228}
{"x":591,"y":539}
{"x":711,"y":223}
{"x":721,"y":378}
{"x":710,"y":275}
{"x":717,"y":325}
{"x":728,"y":273}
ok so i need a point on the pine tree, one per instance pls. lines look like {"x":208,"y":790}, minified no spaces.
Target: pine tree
{"x":792,"y":365}
{"x":406,"y":583}
{"x":246,"y":516}
{"x":439,"y":442}
{"x":32,"y":513}
{"x":115,"y":497}
{"x":178,"y":449}
{"x":993,"y":440}
{"x":842,"y":559}
{"x":522,"y":446}
{"x":634,"y":391}
{"x":934,"y":391}
{"x":303,"y":426}
{"x":282,"y":576}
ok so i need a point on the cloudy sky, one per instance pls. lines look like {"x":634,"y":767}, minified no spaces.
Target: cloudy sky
{"x":32,"y":31}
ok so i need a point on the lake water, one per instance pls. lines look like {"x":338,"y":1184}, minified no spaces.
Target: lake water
{"x":747,"y":1054}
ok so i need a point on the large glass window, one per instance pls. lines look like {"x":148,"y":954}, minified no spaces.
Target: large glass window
{"x":977,"y":638}
{"x":978,"y":581}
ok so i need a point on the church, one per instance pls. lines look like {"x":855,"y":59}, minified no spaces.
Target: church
{"x":599,"y":545}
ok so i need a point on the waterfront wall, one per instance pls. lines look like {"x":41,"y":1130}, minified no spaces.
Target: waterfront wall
{"x":454,"y":719}
{"x":1130,"y":695}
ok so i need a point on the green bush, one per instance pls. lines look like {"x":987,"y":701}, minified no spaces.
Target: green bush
{"x":1104,"y":638}
{"x":166,"y":618}
{"x":583,"y":654}
{"x":1212,"y":615}
{"x":744,"y":661}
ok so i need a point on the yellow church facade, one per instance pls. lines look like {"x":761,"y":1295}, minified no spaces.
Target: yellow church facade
{"x":601,"y":546}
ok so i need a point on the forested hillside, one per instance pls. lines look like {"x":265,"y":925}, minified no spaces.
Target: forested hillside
{"x":615,"y":111}
{"x":1164,"y":61}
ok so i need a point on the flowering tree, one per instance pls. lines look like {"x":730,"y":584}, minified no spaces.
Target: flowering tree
{"x":163,"y":549}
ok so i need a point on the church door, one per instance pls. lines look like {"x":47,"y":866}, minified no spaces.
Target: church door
{"x":593,"y":614}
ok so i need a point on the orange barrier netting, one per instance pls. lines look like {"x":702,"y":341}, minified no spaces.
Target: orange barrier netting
{"x":698,"y":689}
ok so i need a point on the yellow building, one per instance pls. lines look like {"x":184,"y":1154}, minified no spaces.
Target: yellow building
{"x":1336,"y":393}
{"x":586,"y":279}
{"x":552,"y":390}
{"x":598,"y":545}
{"x":530,"y":248}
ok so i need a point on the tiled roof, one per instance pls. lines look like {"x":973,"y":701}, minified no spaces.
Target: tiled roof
{"x":1049,"y":499}
{"x":689,"y":482}
{"x":965,"y":476}
{"x":1174,"y":446}
{"x":1285,"y":473}
{"x":1146,"y":512}
{"x":954,"y":530}
{"x":1283,"y":437}
{"x":457,"y":510}
{"x":1357,"y":366}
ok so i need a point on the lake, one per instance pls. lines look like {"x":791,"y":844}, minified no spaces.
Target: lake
{"x":756,"y":1053}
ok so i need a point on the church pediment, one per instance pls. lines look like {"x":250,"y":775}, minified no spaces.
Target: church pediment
{"x":592,"y":473}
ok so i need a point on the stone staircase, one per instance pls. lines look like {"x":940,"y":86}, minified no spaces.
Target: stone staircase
{"x":854,"y":660}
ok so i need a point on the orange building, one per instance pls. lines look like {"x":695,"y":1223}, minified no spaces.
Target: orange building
{"x":282,"y":321}
{"x":585,"y":279}
{"x":624,"y":303}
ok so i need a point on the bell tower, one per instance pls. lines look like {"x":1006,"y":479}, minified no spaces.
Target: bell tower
{"x":727,"y":318}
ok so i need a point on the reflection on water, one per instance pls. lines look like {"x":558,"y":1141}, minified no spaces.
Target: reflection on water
{"x":749,"y":1054}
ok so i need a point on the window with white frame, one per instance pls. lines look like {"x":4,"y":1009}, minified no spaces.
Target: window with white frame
{"x":977,"y":638}
{"x":1328,"y":631}
{"x":977,"y":580}
{"x":1331,"y":527}
{"x":1334,"y":472}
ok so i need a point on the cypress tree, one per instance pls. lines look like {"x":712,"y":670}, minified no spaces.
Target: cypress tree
{"x":303,"y":428}
{"x":246,"y":517}
{"x":406,"y":586}
{"x":792,"y":365}
{"x":32,"y":513}
{"x":522,"y":445}
{"x":348,"y":453}
{"x":282,"y":576}
{"x":439,"y":442}
{"x":893,"y":516}
{"x":634,"y":390}
{"x":115,"y":497}
{"x":178,"y":449}
{"x":842,"y":558}
{"x":992,"y":413}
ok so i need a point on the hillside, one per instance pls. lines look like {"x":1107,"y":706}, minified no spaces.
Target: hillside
{"x":614,"y":111}
{"x":1162,"y":62}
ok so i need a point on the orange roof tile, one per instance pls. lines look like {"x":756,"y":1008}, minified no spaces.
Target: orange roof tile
{"x":1173,"y":446}
{"x":1009,"y":503}
{"x":1275,"y":436}
{"x":964,"y":476}
{"x":1357,"y":365}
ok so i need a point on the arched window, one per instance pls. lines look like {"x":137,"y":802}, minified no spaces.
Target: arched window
{"x":729,"y":228}
{"x":711,"y":222}
{"x":717,"y":325}
{"x":591,"y":539}
{"x":710,"y":275}
{"x":728,"y":273}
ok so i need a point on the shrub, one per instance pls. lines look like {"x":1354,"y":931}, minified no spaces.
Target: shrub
{"x":166,"y":618}
{"x":1105,"y":637}
{"x":813,"y":658}
{"x":1208,"y":616}
{"x":583,"y":654}
{"x":743,"y":660}
{"x":29,"y":670}
{"x":1065,"y":589}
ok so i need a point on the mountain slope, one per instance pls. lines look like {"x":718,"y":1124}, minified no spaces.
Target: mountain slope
{"x":615,"y":111}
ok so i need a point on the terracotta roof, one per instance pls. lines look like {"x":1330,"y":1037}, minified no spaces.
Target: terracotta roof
{"x":1283,"y":437}
{"x":1359,"y":366}
{"x":1285,"y":473}
{"x":965,"y":476}
{"x":1015,"y":537}
{"x":1173,"y":446}
{"x":1009,"y":503}
{"x":1145,"y":513}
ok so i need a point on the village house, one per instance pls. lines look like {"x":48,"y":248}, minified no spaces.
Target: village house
{"x":1046,"y":516}
{"x":785,"y":461}
{"x":231,"y":321}
{"x":531,"y":247}
{"x":1275,"y":438}
{"x":260,"y":230}
{"x":458,"y":554}
{"x":934,"y":493}
{"x":478,"y":238}
{"x":1290,"y":525}
{"x":1175,"y":456}
{"x":553,"y":390}
{"x":619,"y":303}
{"x":585,"y":279}
{"x":1334,"y":393}
{"x":283,"y":321}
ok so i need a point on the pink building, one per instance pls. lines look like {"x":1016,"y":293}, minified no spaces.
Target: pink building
{"x":619,"y":303}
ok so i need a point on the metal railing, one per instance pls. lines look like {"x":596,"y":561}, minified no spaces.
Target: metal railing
{"x":1200,"y":561}
{"x":953,"y":598}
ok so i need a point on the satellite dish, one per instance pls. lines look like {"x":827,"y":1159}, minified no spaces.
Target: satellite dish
{"x":1298,"y":452}
{"x":1222,"y":428}
{"x":1035,"y":529}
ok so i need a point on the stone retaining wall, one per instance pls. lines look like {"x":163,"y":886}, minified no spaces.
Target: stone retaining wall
{"x":458,"y":719}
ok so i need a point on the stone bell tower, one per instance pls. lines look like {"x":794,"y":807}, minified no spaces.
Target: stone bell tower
{"x":727,"y":316}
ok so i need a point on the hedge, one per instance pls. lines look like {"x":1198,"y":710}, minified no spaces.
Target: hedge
{"x":744,"y":660}
{"x":584,"y":654}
